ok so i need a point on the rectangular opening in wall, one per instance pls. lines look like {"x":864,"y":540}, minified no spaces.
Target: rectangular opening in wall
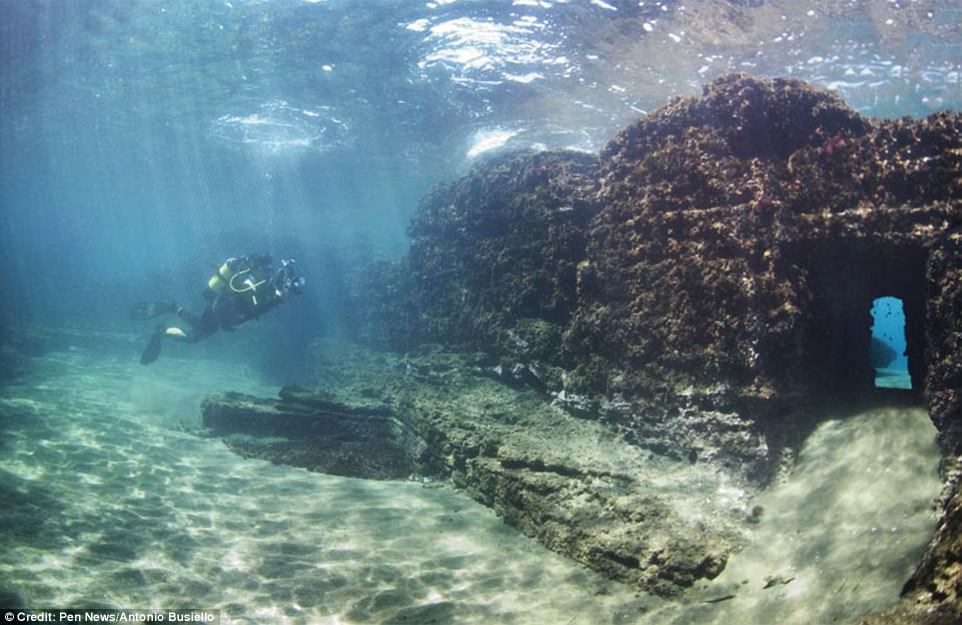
{"x":887,"y":353}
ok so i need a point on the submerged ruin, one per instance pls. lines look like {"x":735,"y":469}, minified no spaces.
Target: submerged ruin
{"x":704,"y":286}
{"x":725,"y":249}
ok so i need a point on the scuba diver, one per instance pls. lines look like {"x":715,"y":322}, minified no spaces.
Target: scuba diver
{"x":242,"y":289}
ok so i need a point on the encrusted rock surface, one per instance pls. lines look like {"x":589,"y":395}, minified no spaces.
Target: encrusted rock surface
{"x":705,"y":284}
{"x":305,"y":430}
{"x":574,"y":485}
{"x":744,"y":235}
{"x":716,"y":264}
{"x":492,"y":250}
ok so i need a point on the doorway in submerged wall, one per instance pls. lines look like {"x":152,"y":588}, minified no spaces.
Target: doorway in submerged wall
{"x":866,"y":339}
{"x":887,"y":352}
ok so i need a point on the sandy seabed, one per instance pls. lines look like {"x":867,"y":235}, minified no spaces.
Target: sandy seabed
{"x":111,"y":500}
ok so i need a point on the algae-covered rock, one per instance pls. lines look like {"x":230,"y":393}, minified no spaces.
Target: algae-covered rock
{"x":572,"y":484}
{"x":386,"y":309}
{"x":744,"y":234}
{"x":704,"y":286}
{"x":502,"y":245}
{"x":943,"y":334}
{"x":729,"y":147}
{"x":731,"y":242}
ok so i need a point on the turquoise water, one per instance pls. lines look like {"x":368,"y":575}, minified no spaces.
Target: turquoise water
{"x":888,"y":327}
{"x":143,"y":143}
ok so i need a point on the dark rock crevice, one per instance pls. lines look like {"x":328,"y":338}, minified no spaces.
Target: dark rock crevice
{"x":844,"y":281}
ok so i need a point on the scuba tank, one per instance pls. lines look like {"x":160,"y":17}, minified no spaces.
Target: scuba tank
{"x":219,"y":281}
{"x":234,"y":275}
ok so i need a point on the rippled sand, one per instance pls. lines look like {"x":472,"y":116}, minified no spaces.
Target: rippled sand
{"x":110,"y":500}
{"x":114,"y":505}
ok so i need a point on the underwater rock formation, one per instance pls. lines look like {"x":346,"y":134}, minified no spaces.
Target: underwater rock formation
{"x":565,"y":481}
{"x":715,"y":267}
{"x":385,"y":291}
{"x":699,"y":293}
{"x":744,"y":235}
{"x":705,"y":285}
{"x":495,"y":251}
{"x":309,"y":431}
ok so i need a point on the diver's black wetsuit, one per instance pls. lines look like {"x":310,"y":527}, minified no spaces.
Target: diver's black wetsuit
{"x":260,"y":290}
{"x":226,"y":312}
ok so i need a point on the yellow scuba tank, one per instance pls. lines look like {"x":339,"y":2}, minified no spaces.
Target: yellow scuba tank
{"x":236,"y":275}
{"x":221,"y":280}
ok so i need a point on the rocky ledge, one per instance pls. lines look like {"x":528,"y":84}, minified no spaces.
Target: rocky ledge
{"x":712,"y":269}
{"x":698,"y":294}
{"x":573,"y":484}
{"x":704,"y":283}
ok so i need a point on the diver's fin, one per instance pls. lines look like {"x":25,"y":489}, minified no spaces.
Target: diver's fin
{"x":152,"y":351}
{"x":149,"y":310}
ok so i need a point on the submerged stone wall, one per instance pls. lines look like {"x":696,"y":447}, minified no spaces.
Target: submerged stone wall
{"x":713,"y":271}
{"x":700,"y":286}
{"x":707,"y":281}
{"x":496,"y":252}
